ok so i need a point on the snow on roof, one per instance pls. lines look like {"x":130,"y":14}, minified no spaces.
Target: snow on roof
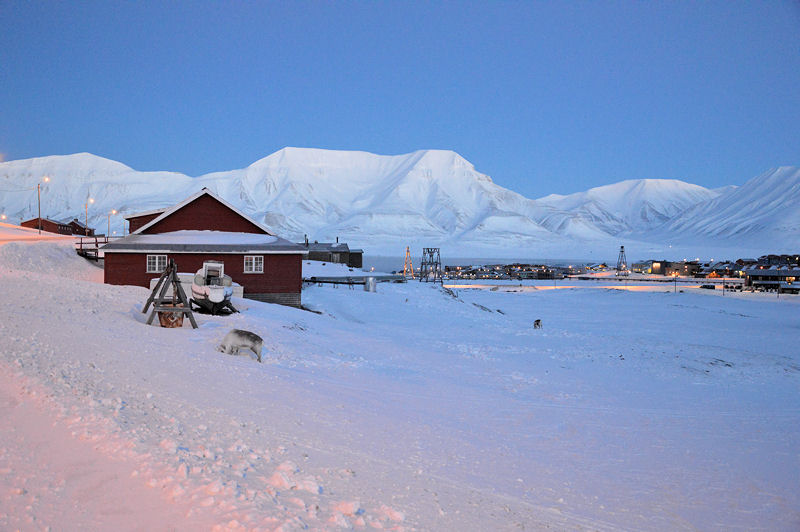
{"x":325,"y":246}
{"x":144,"y":213}
{"x":317,"y":268}
{"x":202,"y":241}
{"x":775,"y":270}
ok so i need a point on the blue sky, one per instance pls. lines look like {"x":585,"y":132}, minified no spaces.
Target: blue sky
{"x":542,"y":96}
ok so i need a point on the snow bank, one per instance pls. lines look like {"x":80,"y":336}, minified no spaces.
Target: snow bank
{"x":411,"y":408}
{"x":315,"y":268}
{"x":55,"y":258}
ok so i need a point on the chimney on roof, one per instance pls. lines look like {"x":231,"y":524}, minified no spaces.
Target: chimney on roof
{"x":337,"y":239}
{"x":306,"y":237}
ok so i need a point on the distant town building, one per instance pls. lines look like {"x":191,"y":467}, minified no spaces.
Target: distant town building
{"x":79,"y":228}
{"x":785,"y":278}
{"x":722,"y":269}
{"x":506,"y":271}
{"x":335,"y":252}
{"x":660,"y":267}
{"x":685,"y":268}
{"x":51,"y":226}
{"x":779,"y":260}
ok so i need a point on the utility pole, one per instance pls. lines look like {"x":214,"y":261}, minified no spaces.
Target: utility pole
{"x":108,"y":233}
{"x":86,"y":229}
{"x":39,"y":198}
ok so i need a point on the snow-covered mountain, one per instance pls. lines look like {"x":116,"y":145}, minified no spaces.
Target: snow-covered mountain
{"x":429,"y":197}
{"x":631,"y":206}
{"x":381,"y":203}
{"x":765,"y":210}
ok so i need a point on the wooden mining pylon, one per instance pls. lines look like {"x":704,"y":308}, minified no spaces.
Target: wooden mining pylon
{"x":408,"y":268}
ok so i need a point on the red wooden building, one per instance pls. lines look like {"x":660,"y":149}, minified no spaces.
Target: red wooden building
{"x":78,"y":228}
{"x":205,"y":227}
{"x":51,"y":226}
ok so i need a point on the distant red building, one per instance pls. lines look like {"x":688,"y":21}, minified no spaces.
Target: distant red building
{"x":205,"y":227}
{"x":51,"y":226}
{"x":78,"y":228}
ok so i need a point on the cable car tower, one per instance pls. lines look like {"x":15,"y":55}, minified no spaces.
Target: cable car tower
{"x":430,"y":270}
{"x":408,"y":267}
{"x":622,"y":263}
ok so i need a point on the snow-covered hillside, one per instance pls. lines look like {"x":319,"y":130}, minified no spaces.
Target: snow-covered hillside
{"x":385,"y":203}
{"x":632,"y":206}
{"x":411,"y":408}
{"x":764,"y":210}
{"x":382,"y":203}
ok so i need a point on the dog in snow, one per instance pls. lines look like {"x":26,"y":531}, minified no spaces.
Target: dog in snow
{"x":537,"y":324}
{"x":237,"y":339}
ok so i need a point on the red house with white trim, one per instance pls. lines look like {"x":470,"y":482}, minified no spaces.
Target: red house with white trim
{"x":205,"y":227}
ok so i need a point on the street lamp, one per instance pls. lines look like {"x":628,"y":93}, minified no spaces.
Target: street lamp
{"x":86,"y":229}
{"x":39,"y":197}
{"x":108,"y":233}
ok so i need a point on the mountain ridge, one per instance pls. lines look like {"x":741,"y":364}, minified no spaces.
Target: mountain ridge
{"x":426,"y":197}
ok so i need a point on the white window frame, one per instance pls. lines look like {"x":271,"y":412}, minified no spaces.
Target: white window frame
{"x":156,"y":263}
{"x":256,"y":264}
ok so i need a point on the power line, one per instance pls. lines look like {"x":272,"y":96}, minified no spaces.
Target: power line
{"x":18,"y":190}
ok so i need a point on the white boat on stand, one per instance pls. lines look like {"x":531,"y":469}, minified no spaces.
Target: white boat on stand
{"x":212,"y":289}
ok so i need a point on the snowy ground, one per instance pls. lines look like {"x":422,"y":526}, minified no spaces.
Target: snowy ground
{"x":409,"y":408}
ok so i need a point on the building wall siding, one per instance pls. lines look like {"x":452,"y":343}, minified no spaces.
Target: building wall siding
{"x":136,"y":222}
{"x":49,"y":226}
{"x":282,"y":275}
{"x":78,"y":229}
{"x":204,"y":214}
